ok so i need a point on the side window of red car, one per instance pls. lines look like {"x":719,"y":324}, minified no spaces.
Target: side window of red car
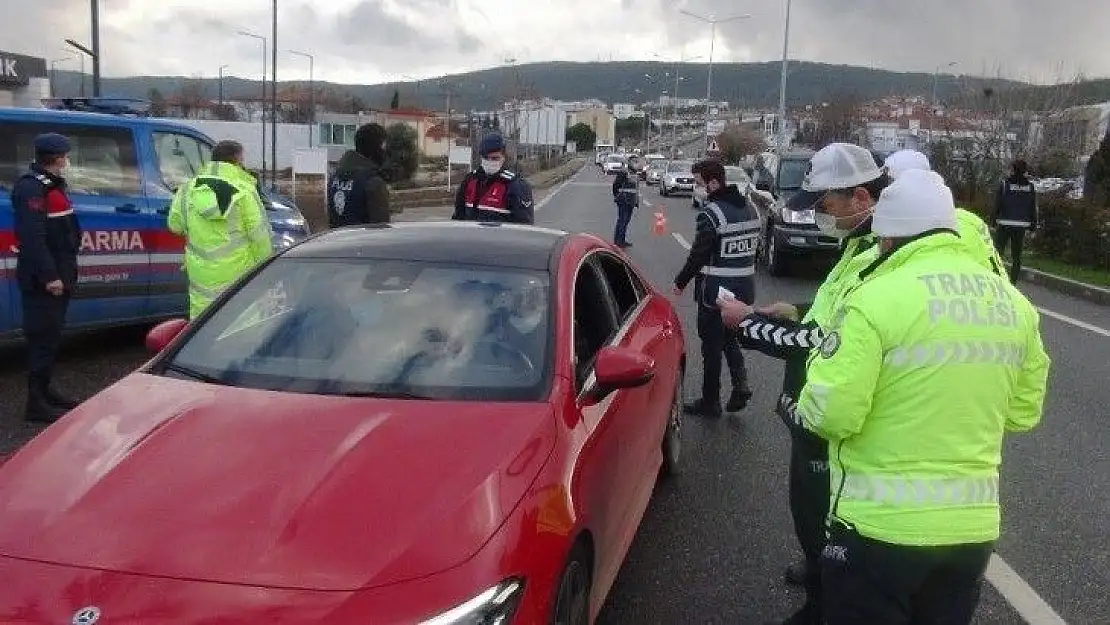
{"x":623,"y":284}
{"x":594,"y":323}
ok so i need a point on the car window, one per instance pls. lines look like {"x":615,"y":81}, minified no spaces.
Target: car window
{"x":353,"y":327}
{"x":791,"y":173}
{"x":102,"y":161}
{"x":180,"y":157}
{"x":679,"y":167}
{"x":737,"y":176}
{"x":622,"y":284}
{"x":594,"y":325}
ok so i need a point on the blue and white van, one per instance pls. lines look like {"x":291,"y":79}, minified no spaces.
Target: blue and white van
{"x":123,"y":171}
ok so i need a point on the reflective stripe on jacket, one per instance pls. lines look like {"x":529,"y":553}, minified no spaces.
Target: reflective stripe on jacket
{"x":225,"y":227}
{"x":922,"y":369}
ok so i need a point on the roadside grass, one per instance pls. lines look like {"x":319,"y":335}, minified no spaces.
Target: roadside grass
{"x":1096,"y":277}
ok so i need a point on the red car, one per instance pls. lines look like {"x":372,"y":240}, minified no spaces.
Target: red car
{"x":439,"y":423}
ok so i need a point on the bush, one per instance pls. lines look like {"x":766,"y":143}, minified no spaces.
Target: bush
{"x":1073,"y":231}
{"x":402,"y":157}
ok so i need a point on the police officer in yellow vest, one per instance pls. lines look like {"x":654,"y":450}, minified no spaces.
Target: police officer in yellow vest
{"x":224,"y":223}
{"x":924,"y":367}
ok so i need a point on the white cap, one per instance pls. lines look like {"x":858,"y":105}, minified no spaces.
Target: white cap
{"x":917,"y":201}
{"x":904,"y":160}
{"x":840,"y":166}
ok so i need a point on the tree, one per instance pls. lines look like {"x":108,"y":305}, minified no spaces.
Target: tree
{"x":630,"y":128}
{"x":1096,"y":183}
{"x":496,"y":122}
{"x":582,"y":135}
{"x":841,"y":119}
{"x":395,"y":103}
{"x":402,"y":155}
{"x":157,"y":103}
{"x":191,"y":98}
{"x":737,"y":142}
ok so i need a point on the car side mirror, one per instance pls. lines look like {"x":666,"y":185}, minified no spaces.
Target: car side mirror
{"x":161,"y":335}
{"x":617,"y":368}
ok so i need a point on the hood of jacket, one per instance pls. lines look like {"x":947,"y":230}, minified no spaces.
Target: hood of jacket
{"x":729,"y":194}
{"x":352,"y":161}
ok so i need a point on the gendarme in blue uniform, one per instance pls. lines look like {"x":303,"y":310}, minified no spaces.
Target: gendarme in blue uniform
{"x":722,"y":255}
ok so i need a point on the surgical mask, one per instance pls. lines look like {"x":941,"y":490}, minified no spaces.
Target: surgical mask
{"x":491,"y":166}
{"x":827,"y":224}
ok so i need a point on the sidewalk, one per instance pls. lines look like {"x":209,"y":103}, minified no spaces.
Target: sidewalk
{"x":1067,"y":286}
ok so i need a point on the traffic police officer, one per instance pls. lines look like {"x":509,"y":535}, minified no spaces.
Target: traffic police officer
{"x":1015,"y":212}
{"x":842,"y":186}
{"x":224,"y":223}
{"x":492,"y":192}
{"x":49,"y":238}
{"x":357,"y":192}
{"x":915,"y":513}
{"x":627,"y":196}
{"x":722,"y":256}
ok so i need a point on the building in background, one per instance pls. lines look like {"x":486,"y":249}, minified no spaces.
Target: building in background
{"x":624,"y":111}
{"x":599,"y":119}
{"x":24,"y":81}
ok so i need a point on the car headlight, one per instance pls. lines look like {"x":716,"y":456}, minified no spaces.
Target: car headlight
{"x":798,"y":217}
{"x":494,"y":606}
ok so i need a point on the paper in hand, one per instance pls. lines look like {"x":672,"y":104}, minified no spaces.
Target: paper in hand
{"x":725,"y":294}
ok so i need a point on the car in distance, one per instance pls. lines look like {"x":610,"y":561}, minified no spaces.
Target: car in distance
{"x":613,"y":163}
{"x":677,"y":178}
{"x":654,"y":172}
{"x":733,"y":175}
{"x":409,"y":423}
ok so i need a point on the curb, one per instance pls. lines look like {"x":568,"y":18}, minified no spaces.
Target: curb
{"x":1067,"y":286}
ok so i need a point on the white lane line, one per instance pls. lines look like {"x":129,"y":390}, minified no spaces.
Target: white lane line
{"x":1009,"y":584}
{"x":1025,"y":601}
{"x":554,"y":192}
{"x":1075,"y":322}
{"x":1044,"y":311}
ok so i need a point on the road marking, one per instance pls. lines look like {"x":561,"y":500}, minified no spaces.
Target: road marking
{"x":1075,"y":322}
{"x":1025,"y":601}
{"x":1017,"y":592}
{"x":1044,"y":311}
{"x":554,"y":192}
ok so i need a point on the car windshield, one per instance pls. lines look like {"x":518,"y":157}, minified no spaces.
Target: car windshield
{"x":614,"y":158}
{"x":737,"y":176}
{"x":379,"y":327}
{"x":792,"y":172}
{"x":680,"y":167}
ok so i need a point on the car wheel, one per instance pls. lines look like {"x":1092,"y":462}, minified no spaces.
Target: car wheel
{"x":672,"y":437}
{"x":572,"y":597}
{"x":774,"y":259}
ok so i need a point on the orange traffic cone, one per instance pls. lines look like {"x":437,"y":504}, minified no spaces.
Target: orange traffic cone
{"x":659,"y":227}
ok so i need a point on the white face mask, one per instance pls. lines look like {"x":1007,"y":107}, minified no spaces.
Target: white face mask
{"x":828,"y":225}
{"x":491,"y":167}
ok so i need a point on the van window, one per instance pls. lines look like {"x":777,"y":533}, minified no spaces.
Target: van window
{"x":102,"y":162}
{"x":180,"y":157}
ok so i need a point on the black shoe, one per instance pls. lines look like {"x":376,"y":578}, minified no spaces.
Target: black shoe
{"x":624,"y":245}
{"x":702,"y":408}
{"x":738,"y":400}
{"x":57,"y":400}
{"x":795,"y":574}
{"x":39,"y":411}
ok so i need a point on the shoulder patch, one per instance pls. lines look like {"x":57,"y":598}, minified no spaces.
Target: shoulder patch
{"x":830,"y":345}
{"x":507,"y":175}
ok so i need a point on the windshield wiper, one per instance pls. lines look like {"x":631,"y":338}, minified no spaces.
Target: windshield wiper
{"x":388,"y":395}
{"x":196,"y":375}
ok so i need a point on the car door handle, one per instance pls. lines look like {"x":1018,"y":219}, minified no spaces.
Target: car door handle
{"x":127,"y":208}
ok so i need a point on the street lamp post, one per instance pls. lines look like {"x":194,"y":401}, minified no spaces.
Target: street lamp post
{"x":780,"y":136}
{"x":311,"y":92}
{"x":95,"y":23}
{"x":84,"y":52}
{"x":262,"y":176}
{"x":712,"y":20}
{"x":222,"y":68}
{"x":674,"y":99}
{"x":273,"y":96}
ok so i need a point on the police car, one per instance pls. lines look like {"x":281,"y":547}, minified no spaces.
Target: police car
{"x":124,"y":168}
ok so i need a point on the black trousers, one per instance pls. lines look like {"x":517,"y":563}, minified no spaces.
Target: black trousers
{"x":1014,"y":237}
{"x":716,"y":340}
{"x":867,"y":581}
{"x":624,"y":216}
{"x":44,"y":317}
{"x":809,"y":507}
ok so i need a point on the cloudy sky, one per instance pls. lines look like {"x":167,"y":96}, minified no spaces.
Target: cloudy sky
{"x":372,"y":41}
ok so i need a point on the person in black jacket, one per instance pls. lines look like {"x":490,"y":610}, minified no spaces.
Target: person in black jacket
{"x":626,"y":195}
{"x":721,"y":257}
{"x":357,"y":192}
{"x":1015,"y":213}
{"x":49,"y":238}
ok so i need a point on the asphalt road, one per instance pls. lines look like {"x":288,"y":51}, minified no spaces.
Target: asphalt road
{"x":714,"y":542}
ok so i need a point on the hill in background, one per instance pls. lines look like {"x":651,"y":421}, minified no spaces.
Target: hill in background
{"x":746,"y":84}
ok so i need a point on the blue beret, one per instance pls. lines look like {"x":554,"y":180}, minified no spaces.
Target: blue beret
{"x":52,"y":143}
{"x":492,"y":143}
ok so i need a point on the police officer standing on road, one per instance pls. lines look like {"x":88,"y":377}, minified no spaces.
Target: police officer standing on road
{"x":492,"y":192}
{"x":49,"y":238}
{"x":1015,"y":212}
{"x":224,"y":223}
{"x":915,"y":399}
{"x":357,"y":192}
{"x":721,"y":256}
{"x":626,"y":193}
{"x":842,"y":186}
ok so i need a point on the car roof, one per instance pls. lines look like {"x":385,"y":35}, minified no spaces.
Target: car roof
{"x":509,"y":246}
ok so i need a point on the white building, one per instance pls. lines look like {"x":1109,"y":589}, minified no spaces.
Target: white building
{"x":24,"y":81}
{"x":623,"y":110}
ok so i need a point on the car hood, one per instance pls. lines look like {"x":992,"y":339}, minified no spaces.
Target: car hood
{"x":156,"y":476}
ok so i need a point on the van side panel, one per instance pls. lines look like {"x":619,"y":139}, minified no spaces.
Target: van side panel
{"x":8,"y":290}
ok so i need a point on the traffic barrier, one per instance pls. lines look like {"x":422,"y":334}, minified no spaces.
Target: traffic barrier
{"x":659,"y":226}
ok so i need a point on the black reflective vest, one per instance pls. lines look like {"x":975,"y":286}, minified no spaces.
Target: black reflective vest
{"x":732,"y":265}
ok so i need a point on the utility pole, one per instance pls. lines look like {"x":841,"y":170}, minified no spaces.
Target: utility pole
{"x":262,"y":102}
{"x":712,"y":20}
{"x":222,"y":68}
{"x":96,"y":47}
{"x":273,"y":96}
{"x":311,"y":93}
{"x":780,"y":138}
{"x":447,"y":128}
